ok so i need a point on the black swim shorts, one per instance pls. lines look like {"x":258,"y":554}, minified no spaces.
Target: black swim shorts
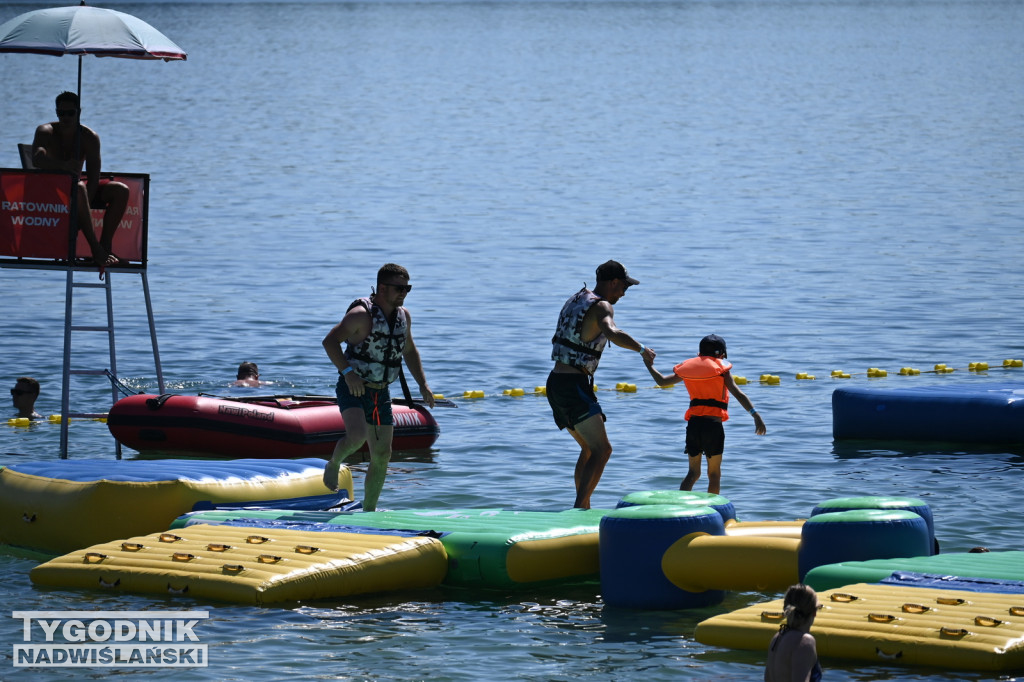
{"x":572,"y":399}
{"x":704,"y":436}
{"x":375,"y":403}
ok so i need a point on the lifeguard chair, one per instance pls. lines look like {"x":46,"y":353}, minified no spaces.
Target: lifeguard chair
{"x":37,"y":232}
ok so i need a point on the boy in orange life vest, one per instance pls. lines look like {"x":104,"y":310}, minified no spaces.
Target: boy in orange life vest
{"x":709,"y":383}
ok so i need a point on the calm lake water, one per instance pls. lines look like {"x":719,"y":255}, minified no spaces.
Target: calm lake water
{"x":828,"y":185}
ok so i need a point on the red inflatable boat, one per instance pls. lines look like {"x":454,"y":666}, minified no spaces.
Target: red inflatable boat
{"x":277,"y":426}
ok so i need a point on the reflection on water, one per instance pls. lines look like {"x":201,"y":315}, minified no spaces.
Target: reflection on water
{"x":847,"y":449}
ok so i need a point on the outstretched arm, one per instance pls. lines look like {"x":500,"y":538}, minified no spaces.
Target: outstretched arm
{"x":659,"y":378}
{"x":411,"y":354}
{"x":742,"y":399}
{"x":606,"y":323}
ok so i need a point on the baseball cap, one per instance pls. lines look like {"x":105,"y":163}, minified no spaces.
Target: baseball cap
{"x":712,"y":344}
{"x":613,"y":270}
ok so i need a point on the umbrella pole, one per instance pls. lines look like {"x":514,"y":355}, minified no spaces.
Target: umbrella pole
{"x":72,"y":206}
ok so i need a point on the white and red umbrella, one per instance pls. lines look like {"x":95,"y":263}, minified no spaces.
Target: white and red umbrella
{"x":81,"y":30}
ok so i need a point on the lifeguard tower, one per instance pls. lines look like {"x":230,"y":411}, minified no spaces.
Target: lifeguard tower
{"x":37,"y":232}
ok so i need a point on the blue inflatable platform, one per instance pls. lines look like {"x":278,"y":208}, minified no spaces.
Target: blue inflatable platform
{"x":986,"y":413}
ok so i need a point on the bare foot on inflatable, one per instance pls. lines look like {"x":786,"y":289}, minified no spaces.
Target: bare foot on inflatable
{"x":331,"y":476}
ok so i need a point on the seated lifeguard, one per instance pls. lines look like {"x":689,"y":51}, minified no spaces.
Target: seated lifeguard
{"x":54,"y":148}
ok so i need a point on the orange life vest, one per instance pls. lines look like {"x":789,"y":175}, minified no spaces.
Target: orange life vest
{"x":703,"y":378}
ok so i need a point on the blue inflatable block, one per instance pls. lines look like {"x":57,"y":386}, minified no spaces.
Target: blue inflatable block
{"x":860,"y":535}
{"x":633,"y":543}
{"x":988,"y":413}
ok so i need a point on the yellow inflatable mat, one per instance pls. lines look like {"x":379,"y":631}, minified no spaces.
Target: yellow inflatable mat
{"x":63,"y":505}
{"x":251,"y":566}
{"x":951,"y":629}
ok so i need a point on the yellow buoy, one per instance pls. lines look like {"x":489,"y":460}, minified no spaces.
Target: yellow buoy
{"x":740,"y":381}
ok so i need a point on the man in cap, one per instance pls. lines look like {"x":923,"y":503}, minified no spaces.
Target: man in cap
{"x":709,"y":383}
{"x":585,"y":325}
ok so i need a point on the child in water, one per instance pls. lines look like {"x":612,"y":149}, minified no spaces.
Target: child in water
{"x":709,"y":383}
{"x":793,"y":655}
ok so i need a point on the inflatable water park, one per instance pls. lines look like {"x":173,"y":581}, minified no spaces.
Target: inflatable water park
{"x":266,"y":531}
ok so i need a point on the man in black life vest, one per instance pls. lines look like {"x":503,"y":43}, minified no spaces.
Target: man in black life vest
{"x":377,"y":331}
{"x":585,"y":325}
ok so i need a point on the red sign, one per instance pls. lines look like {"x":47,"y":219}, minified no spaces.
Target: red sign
{"x":34,"y":216}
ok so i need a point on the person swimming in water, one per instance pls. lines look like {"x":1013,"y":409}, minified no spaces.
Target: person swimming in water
{"x":248,"y":375}
{"x":792,"y":655}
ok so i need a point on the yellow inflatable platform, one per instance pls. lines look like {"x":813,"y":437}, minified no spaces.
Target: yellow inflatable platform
{"x":896,"y":624}
{"x":59,"y":506}
{"x":251,"y":566}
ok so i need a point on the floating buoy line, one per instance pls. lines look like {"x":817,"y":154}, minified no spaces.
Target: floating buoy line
{"x":624,"y":387}
{"x":763,"y":380}
{"x":52,"y":419}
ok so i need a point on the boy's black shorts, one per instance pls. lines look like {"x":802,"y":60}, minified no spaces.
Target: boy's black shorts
{"x":704,"y":436}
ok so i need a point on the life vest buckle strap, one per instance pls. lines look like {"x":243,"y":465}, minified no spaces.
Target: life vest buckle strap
{"x":708,"y":402}
{"x":575,"y":346}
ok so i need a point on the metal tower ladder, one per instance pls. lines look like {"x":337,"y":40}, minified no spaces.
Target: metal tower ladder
{"x":69,"y":293}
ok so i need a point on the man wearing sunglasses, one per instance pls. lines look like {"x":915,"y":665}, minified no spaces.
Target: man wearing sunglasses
{"x":67,"y":145}
{"x":23,"y":395}
{"x":377,"y":331}
{"x":585,"y":325}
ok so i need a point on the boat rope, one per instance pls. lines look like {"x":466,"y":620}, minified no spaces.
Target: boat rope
{"x":120,"y":385}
